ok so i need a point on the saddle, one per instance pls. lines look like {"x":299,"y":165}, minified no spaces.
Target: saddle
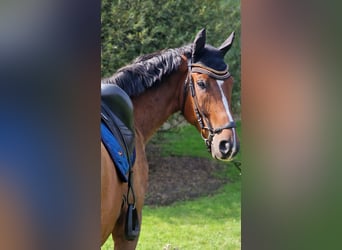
{"x":117,"y":134}
{"x":117,"y":127}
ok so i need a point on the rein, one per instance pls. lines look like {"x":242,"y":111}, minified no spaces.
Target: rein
{"x":200,"y":116}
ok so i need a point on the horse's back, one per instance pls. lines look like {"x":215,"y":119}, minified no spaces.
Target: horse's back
{"x":111,"y":194}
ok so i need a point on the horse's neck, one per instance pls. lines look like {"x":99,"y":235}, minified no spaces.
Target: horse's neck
{"x":154,"y":106}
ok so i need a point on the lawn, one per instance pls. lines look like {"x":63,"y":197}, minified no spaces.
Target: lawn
{"x":206,"y":223}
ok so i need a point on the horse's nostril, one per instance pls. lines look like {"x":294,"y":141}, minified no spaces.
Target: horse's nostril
{"x":224,"y":147}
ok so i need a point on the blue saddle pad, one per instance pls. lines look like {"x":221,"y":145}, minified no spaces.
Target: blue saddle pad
{"x":116,"y":152}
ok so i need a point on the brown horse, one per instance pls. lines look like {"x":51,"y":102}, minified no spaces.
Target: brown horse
{"x":192,"y":79}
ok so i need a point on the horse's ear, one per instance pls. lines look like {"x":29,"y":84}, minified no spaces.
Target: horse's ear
{"x":199,"y":42}
{"x":225,"y":46}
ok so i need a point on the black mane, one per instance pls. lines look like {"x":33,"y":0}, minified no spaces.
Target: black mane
{"x":148,"y":71}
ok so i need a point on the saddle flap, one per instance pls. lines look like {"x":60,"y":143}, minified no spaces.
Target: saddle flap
{"x":117,"y":127}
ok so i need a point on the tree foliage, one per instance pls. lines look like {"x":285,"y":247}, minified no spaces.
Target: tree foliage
{"x":134,"y":27}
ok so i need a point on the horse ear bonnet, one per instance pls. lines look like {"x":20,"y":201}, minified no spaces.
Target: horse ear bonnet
{"x":209,"y":57}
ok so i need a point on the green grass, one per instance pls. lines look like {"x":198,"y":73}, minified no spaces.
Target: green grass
{"x":185,"y":141}
{"x":206,"y":223}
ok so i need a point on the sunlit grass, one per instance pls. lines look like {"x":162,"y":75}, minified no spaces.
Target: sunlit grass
{"x":206,"y":223}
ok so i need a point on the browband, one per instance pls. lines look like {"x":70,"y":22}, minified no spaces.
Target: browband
{"x":220,"y":75}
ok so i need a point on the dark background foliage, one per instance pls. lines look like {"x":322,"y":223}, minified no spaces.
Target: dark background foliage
{"x":134,"y":27}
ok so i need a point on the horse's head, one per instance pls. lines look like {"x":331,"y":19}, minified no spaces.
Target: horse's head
{"x":207,"y":97}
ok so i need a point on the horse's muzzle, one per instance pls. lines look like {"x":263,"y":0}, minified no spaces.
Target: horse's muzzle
{"x":225,"y":150}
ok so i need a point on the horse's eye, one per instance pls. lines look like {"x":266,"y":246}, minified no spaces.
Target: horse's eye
{"x":202,"y":84}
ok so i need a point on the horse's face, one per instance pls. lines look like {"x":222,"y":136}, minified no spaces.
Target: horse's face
{"x":211,"y":87}
{"x":214,"y":99}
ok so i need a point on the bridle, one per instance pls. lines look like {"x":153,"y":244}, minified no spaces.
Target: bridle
{"x":200,"y":116}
